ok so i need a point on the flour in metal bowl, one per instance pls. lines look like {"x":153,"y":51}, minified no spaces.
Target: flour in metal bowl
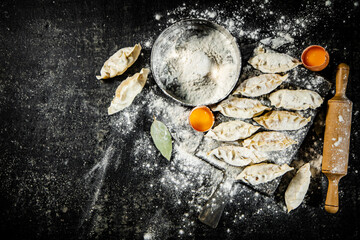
{"x":196,"y":62}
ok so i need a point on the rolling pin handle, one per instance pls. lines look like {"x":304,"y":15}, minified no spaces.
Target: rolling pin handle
{"x":342,"y":76}
{"x":332,"y":196}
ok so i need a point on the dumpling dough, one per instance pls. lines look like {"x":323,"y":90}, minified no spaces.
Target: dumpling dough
{"x":262,"y":173}
{"x":295,"y":99}
{"x":127,"y":91}
{"x":282,"y":120}
{"x":268,"y":141}
{"x":260,"y":85}
{"x":240,"y":107}
{"x":298,"y":187}
{"x":236,"y":155}
{"x":274,"y":62}
{"x":232,"y":131}
{"x":119,"y":62}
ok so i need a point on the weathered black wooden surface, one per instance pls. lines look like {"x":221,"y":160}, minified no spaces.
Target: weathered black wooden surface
{"x":54,"y":128}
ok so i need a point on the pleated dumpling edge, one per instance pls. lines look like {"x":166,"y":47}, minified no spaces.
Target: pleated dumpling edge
{"x":128,"y":90}
{"x":119,"y":62}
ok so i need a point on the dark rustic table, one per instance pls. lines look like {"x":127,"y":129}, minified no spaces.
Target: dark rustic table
{"x":59,"y":179}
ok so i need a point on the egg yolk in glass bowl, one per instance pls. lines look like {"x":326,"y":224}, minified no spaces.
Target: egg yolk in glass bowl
{"x":201,"y":119}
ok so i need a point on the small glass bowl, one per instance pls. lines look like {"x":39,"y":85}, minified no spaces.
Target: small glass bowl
{"x":317,"y":67}
{"x":193,"y":124}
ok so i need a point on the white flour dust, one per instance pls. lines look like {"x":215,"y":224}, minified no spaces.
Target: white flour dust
{"x":235,"y":21}
{"x":95,"y":180}
{"x":188,"y":181}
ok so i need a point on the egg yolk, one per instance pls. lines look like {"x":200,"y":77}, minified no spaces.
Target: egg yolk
{"x":315,"y":56}
{"x":201,"y":119}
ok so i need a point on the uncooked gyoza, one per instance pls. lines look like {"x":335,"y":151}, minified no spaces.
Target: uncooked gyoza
{"x":273,"y":62}
{"x":298,"y":187}
{"x":240,"y":107}
{"x":268,"y":141}
{"x":282,"y":120}
{"x":236,"y":155}
{"x":295,"y":99}
{"x":260,"y":85}
{"x":127,"y":91}
{"x":262,"y":173}
{"x":119,"y":62}
{"x":232,"y":131}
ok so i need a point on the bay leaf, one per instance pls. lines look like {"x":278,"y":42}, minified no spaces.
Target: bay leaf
{"x":162,"y":138}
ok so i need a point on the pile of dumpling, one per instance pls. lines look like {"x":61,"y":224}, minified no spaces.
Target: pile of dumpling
{"x":116,"y":65}
{"x":255,"y":145}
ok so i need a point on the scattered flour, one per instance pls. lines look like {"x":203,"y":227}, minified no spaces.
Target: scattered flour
{"x":187,"y":175}
{"x":95,"y":180}
{"x":157,"y":17}
{"x":148,"y":236}
{"x":147,"y":44}
{"x":337,"y":143}
{"x":315,"y":165}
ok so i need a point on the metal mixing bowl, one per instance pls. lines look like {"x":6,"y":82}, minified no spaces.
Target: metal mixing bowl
{"x":187,"y":28}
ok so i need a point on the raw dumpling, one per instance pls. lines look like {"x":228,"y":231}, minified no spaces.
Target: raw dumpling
{"x":282,"y":120}
{"x":240,"y":107}
{"x":119,"y":62}
{"x":295,"y":99}
{"x":127,"y":91}
{"x":273,"y":62}
{"x":262,"y":173}
{"x":236,"y":155}
{"x":298,"y":187}
{"x":232,"y":131}
{"x":268,"y":141}
{"x":260,"y":85}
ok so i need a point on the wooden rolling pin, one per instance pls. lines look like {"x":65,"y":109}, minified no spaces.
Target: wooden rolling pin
{"x":337,"y":138}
